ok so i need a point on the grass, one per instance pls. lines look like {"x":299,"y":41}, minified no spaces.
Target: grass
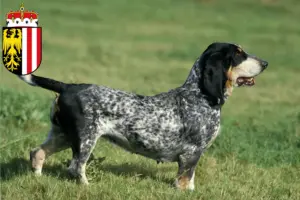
{"x":149,"y":47}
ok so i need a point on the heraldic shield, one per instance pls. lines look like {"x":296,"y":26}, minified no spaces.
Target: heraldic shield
{"x":22,"y":49}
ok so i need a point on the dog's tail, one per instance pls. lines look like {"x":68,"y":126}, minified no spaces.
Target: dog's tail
{"x":46,"y":83}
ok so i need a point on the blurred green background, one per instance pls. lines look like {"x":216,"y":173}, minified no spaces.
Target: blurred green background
{"x":149,"y":47}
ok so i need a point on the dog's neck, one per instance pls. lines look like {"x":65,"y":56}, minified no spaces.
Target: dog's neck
{"x":193,"y":79}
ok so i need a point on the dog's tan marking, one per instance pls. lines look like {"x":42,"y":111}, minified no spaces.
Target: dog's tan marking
{"x":240,"y":46}
{"x":240,"y":50}
{"x":38,"y":157}
{"x":56,"y":107}
{"x":228,"y":84}
{"x":183,"y":182}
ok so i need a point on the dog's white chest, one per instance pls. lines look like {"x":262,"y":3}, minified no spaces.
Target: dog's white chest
{"x":216,"y":132}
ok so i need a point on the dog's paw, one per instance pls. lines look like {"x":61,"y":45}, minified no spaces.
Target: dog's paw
{"x":184,"y":183}
{"x":37,"y":172}
{"x":84,"y":181}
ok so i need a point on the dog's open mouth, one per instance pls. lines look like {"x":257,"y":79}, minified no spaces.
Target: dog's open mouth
{"x":245,"y":81}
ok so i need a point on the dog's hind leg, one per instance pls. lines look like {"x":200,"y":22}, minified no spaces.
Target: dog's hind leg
{"x":186,"y":171}
{"x":54,"y":143}
{"x":81,"y":152}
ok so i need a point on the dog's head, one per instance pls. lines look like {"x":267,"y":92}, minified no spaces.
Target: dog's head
{"x":224,"y":66}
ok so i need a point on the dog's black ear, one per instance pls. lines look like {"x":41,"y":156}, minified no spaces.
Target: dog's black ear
{"x":214,"y":77}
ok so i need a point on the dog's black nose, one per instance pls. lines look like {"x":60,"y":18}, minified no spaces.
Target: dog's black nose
{"x":264,"y":64}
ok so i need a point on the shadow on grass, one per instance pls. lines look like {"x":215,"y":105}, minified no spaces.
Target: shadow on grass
{"x":15,"y":167}
{"x":20,"y":166}
{"x":136,"y":170}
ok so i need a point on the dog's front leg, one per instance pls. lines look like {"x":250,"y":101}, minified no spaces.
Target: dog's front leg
{"x":186,"y":171}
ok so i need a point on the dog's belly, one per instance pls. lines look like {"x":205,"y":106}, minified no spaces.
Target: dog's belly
{"x":147,"y":148}
{"x":152,"y":136}
{"x":119,"y":140}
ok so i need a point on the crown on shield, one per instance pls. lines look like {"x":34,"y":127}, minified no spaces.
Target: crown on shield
{"x":22,"y":18}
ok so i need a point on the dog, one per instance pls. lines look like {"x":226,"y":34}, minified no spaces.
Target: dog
{"x":173,"y":126}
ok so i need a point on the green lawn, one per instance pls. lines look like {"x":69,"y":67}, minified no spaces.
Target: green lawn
{"x":149,"y":47}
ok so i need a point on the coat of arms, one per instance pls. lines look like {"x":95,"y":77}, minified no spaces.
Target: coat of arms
{"x":21,"y":42}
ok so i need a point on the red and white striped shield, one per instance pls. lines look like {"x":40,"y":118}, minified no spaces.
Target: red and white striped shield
{"x":22,"y":49}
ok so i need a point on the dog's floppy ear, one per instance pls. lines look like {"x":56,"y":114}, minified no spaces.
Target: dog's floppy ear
{"x":214,"y":77}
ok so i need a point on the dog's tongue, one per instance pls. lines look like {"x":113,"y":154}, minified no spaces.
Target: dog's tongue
{"x":245,"y":81}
